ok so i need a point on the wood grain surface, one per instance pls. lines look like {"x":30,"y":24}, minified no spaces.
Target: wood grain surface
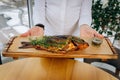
{"x":51,"y":69}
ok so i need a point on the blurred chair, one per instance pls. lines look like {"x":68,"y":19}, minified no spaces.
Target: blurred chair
{"x":0,"y":60}
{"x":1,"y":47}
{"x":113,"y":62}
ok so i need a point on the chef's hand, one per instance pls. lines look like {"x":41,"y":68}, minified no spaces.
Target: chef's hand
{"x":87,"y":31}
{"x":34,"y":31}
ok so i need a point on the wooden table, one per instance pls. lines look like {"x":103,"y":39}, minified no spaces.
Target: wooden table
{"x":51,"y":69}
{"x":104,"y":51}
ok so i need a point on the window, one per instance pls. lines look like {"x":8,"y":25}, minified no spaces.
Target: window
{"x":14,"y":18}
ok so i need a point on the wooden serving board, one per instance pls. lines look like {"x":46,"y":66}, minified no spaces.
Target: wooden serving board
{"x":104,"y":51}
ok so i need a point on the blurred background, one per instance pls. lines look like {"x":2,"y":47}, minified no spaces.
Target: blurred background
{"x":14,"y":20}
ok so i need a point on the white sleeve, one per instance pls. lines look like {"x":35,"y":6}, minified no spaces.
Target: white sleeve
{"x":39,"y":12}
{"x":85,"y":13}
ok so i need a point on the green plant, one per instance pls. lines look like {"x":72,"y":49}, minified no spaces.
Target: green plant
{"x":106,"y":16}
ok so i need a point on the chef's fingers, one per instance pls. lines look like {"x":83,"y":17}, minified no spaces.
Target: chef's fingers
{"x":36,"y":31}
{"x":98,"y":35}
{"x":25,"y":34}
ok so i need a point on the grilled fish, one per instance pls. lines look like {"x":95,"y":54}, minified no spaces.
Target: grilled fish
{"x":59,"y":43}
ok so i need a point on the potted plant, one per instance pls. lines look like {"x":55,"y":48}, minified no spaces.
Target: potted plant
{"x":106,"y":16}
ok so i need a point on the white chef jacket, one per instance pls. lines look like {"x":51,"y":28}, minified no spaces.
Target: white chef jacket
{"x":62,"y":17}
